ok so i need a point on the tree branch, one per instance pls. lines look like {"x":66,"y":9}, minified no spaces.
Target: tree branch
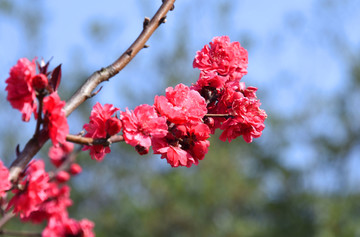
{"x":85,"y":91}
{"x":104,"y":74}
{"x":31,"y":148}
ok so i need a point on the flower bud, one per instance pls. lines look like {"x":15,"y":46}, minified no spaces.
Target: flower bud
{"x":62,"y":176}
{"x":75,"y":169}
{"x":39,"y":81}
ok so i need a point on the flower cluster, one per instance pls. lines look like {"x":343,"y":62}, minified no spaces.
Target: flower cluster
{"x":178,"y":124}
{"x":185,"y":143}
{"x":39,"y":198}
{"x":222,"y":65}
{"x":37,"y":195}
{"x":24,"y":86}
{"x":173,"y":126}
{"x":177,"y":127}
{"x":32,"y":190}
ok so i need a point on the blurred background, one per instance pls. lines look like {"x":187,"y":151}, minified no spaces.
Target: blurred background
{"x":301,"y":178}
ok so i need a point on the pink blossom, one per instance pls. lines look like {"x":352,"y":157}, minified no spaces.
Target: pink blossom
{"x":181,"y":105}
{"x":98,"y":117}
{"x":68,"y":227}
{"x":223,"y":57}
{"x":4,"y":179}
{"x":141,"y":125}
{"x":97,"y":128}
{"x":55,"y":118}
{"x":34,"y":184}
{"x":184,"y":145}
{"x":21,"y":94}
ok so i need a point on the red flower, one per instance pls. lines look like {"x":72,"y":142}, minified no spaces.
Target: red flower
{"x":35,"y":184}
{"x":4,"y":179}
{"x":142,"y":124}
{"x":68,"y":227}
{"x":184,"y":145}
{"x":55,"y":118}
{"x":248,"y":121}
{"x":21,"y":94}
{"x":246,"y":118}
{"x":223,"y":57}
{"x":181,"y":105}
{"x":98,"y":128}
{"x":210,"y":79}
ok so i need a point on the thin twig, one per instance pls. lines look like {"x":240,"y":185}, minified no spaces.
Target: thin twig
{"x":105,"y":74}
{"x":90,"y":141}
{"x":39,"y":119}
{"x":6,"y":218}
{"x":18,"y":233}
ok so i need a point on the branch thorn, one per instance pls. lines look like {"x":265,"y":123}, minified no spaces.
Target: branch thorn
{"x":162,"y":20}
{"x":146,"y":21}
{"x":17,"y":150}
{"x":129,"y":52}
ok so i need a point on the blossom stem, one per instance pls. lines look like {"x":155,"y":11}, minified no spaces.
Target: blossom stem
{"x":39,"y":115}
{"x":91,"y":141}
{"x":218,"y":115}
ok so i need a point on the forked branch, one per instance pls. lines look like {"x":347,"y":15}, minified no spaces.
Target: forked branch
{"x":86,"y":90}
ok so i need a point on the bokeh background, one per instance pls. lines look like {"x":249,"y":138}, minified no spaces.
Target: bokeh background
{"x":301,"y":178}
